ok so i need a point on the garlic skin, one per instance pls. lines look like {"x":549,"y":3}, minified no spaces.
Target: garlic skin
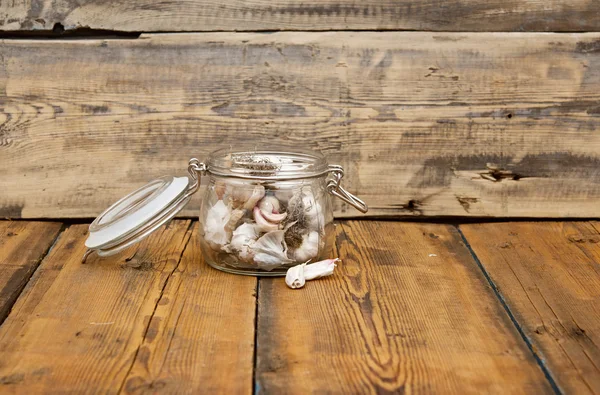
{"x":309,"y":247}
{"x":270,"y":251}
{"x":297,"y":276}
{"x":220,"y":188}
{"x":294,"y":278}
{"x":215,"y":233}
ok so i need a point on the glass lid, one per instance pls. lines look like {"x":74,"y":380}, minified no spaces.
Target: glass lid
{"x":137,"y":215}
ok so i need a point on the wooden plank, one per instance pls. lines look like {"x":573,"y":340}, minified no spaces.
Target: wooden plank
{"x":425,"y":124}
{"x":407,"y":311}
{"x":548,"y":275}
{"x":201,"y":336}
{"x":77,"y":327}
{"x":243,"y":15}
{"x":22,"y":247}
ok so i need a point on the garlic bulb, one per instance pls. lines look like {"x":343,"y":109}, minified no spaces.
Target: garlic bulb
{"x":304,"y":200}
{"x":309,"y":247}
{"x":214,"y":228}
{"x":297,"y":276}
{"x":241,"y":242}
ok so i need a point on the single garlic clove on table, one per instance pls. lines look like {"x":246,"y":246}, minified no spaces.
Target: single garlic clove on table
{"x":297,"y":276}
{"x":294,"y":278}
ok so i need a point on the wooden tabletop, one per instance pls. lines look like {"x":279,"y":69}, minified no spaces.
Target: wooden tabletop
{"x":412,"y":308}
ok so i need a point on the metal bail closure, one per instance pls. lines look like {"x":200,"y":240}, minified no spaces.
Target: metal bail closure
{"x":334,"y":187}
{"x":140,"y":213}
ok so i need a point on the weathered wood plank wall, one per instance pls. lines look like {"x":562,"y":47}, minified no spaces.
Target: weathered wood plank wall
{"x":426,"y":124}
{"x":243,"y":15}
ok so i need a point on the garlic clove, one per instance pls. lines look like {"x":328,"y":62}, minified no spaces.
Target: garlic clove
{"x":234,"y":219}
{"x":275,"y":218}
{"x":269,"y":204}
{"x":257,"y":194}
{"x":263,"y":224}
{"x":220,"y":188}
{"x":320,"y":269}
{"x":294,"y":278}
{"x":297,"y":276}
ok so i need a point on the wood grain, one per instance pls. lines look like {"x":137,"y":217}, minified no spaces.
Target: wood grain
{"x":22,"y":247}
{"x":80,"y":327}
{"x":201,"y":336}
{"x":407,"y":311}
{"x":425,"y":124}
{"x":243,"y":15}
{"x":548,"y":275}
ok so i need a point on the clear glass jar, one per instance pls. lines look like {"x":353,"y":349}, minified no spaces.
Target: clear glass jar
{"x":262,"y":212}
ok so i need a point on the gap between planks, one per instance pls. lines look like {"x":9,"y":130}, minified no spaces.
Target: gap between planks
{"x":11,"y":299}
{"x":538,"y":358}
{"x":187,"y":237}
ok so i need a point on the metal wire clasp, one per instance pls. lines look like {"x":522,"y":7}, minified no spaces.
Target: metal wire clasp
{"x":334,"y":187}
{"x":196,"y":169}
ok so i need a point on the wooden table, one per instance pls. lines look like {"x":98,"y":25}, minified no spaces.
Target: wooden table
{"x":414,"y":307}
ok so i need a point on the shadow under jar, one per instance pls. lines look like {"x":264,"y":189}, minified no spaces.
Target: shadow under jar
{"x":262,"y":212}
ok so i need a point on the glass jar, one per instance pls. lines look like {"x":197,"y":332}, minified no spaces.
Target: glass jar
{"x":262,"y":212}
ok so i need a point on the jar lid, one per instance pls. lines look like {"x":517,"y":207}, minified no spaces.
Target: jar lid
{"x":282,"y":163}
{"x":137,"y":215}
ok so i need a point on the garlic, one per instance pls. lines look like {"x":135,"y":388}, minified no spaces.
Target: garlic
{"x":242,"y":197}
{"x":241,"y":242}
{"x":297,"y":276}
{"x":214,"y":229}
{"x":269,"y":207}
{"x":220,"y":188}
{"x":234,"y":219}
{"x":269,"y":204}
{"x":257,"y":194}
{"x":313,"y":212}
{"x":270,"y":250}
{"x":309,"y":247}
{"x":263,"y":224}
{"x":294,"y":278}
{"x":320,"y":269}
{"x":284,"y":195}
{"x":305,"y":201}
